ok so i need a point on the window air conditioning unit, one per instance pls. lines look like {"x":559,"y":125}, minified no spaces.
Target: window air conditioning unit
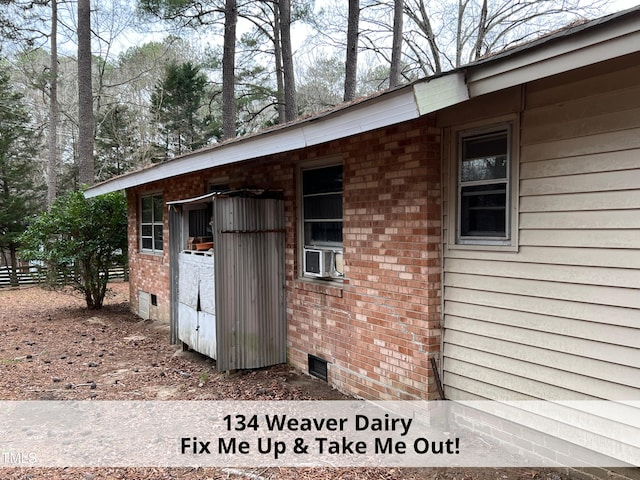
{"x":318,"y":263}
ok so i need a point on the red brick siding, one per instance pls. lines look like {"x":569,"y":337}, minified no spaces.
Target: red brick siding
{"x":377,"y":329}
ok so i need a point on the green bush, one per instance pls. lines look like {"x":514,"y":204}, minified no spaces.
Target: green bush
{"x":79,"y":240}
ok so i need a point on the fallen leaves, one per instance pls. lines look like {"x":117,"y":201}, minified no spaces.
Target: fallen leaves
{"x":52,"y":348}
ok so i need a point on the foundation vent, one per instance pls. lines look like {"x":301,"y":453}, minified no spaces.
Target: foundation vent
{"x":318,"y":367}
{"x":144,"y":300}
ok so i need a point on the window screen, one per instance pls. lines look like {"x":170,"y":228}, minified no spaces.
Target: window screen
{"x":484,"y":185}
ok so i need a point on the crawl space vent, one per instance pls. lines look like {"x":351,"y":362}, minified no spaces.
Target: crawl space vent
{"x":318,"y":367}
{"x":144,"y":300}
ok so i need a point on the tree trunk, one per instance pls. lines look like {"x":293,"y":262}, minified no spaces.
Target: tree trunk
{"x":482,"y":31}
{"x":351,"y":63}
{"x":13,"y":269}
{"x":459,"y":43}
{"x":421,"y":17}
{"x":52,"y":164}
{"x":85,"y":96}
{"x":228,"y":70}
{"x":291,"y":105}
{"x":396,"y":50}
{"x":277,"y":45}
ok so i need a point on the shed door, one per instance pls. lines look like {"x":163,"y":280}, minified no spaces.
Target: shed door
{"x":196,"y":302}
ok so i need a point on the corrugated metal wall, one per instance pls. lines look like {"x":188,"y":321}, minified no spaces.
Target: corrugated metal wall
{"x":250,"y":291}
{"x":175,"y":245}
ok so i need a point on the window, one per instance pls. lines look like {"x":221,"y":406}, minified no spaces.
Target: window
{"x":322,"y":206}
{"x":484,"y":186}
{"x":200,"y":221}
{"x":321,"y":222}
{"x":200,"y":216}
{"x":151,"y":224}
{"x":219,"y":186}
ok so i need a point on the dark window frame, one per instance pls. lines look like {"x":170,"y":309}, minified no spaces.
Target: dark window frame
{"x":320,"y":229}
{"x":320,"y":206}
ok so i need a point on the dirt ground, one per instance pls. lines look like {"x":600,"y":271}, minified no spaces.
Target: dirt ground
{"x":52,"y":348}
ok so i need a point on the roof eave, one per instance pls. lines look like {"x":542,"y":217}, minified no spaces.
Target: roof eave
{"x":614,"y":38}
{"x":391,"y":108}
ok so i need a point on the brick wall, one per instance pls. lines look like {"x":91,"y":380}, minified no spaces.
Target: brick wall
{"x":379,"y":327}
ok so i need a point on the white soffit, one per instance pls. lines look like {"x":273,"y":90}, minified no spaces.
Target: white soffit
{"x":389,"y":109}
{"x":440,"y":92}
{"x":577,"y":51}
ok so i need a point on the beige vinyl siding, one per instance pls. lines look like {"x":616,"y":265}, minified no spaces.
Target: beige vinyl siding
{"x":560,"y":317}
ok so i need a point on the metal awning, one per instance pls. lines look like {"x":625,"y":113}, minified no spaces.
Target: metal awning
{"x":200,"y":199}
{"x":245,"y":192}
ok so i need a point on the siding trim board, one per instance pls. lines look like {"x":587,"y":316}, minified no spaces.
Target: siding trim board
{"x":560,"y":308}
{"x":615,"y":354}
{"x":586,"y":294}
{"x":606,"y":257}
{"x":600,"y":331}
{"x":551,"y":272}
{"x":587,"y":367}
{"x":573,"y":202}
{"x":597,"y":163}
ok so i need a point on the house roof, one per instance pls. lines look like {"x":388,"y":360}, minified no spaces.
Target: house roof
{"x":577,"y":46}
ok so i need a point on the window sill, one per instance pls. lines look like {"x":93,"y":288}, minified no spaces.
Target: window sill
{"x":329,"y":288}
{"x":483,"y":246}
{"x":151,"y":255}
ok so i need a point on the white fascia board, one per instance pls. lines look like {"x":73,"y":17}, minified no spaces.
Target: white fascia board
{"x":388,"y":109}
{"x":441,"y":92}
{"x":577,"y":51}
{"x":259,"y":145}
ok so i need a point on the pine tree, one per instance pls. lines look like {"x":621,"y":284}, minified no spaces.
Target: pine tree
{"x":117,"y":147}
{"x":20,"y":195}
{"x":177,"y":103}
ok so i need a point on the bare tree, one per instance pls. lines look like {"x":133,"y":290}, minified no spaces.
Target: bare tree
{"x":351,"y":64}
{"x":441,"y":35}
{"x":85,"y":96}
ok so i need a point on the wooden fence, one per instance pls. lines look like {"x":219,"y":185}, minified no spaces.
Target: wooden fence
{"x":31,"y":275}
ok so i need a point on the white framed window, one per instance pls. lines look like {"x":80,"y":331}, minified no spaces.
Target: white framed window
{"x":151,"y":223}
{"x":321,"y":221}
{"x":485,"y":187}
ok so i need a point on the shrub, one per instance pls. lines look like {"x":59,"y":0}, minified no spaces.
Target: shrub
{"x":79,"y":240}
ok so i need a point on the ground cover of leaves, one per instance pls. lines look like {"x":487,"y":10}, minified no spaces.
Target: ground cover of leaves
{"x":52,"y":348}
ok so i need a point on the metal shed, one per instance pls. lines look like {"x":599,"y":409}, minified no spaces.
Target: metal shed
{"x":228,"y":285}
